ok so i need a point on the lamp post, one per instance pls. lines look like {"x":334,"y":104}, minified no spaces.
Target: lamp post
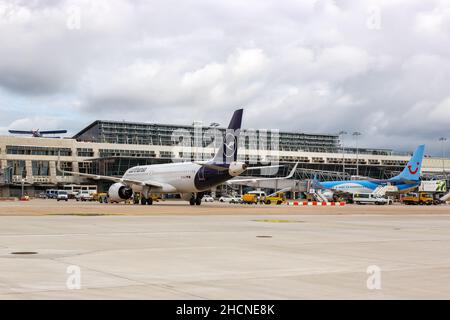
{"x":342,"y":133}
{"x":356,"y":134}
{"x":443,"y":140}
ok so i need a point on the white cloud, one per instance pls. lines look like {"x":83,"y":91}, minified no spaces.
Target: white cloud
{"x":38,"y":123}
{"x":309,"y":65}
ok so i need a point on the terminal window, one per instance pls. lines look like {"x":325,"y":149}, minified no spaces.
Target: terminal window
{"x":17,"y":166}
{"x":40,"y":168}
{"x":38,"y":151}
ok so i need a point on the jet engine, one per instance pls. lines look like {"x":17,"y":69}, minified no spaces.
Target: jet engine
{"x":119,"y":192}
{"x":236,"y":168}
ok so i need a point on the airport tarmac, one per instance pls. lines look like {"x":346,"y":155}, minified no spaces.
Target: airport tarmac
{"x":222,"y":251}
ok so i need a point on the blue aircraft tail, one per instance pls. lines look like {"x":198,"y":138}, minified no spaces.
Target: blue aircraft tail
{"x":227,"y":152}
{"x":315,"y":183}
{"x":412,"y":170}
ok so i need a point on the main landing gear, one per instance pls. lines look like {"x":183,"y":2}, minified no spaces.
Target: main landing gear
{"x":148,"y":201}
{"x":196,"y":200}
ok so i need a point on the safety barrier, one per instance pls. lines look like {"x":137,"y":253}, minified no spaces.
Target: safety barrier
{"x":315,"y":203}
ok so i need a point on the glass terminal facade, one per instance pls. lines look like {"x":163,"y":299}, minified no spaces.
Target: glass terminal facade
{"x":167,"y":135}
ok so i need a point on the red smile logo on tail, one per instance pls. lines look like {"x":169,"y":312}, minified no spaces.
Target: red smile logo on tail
{"x":415,"y":170}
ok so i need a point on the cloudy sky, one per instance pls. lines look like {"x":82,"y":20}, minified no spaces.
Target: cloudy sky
{"x":378,"y":67}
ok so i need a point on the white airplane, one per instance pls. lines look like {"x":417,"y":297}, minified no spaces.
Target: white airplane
{"x":190,"y":179}
{"x":407,"y":180}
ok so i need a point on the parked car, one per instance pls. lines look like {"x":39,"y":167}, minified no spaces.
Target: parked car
{"x":62,"y":195}
{"x":230,"y":199}
{"x":84,"y":195}
{"x":236,"y":200}
{"x":225,"y":198}
{"x":51,"y":193}
{"x":208,"y":198}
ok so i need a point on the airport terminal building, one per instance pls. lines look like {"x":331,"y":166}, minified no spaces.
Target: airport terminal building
{"x":111,"y":147}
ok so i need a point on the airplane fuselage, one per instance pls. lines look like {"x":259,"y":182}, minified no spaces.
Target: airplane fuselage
{"x":366,"y":186}
{"x":178,"y":177}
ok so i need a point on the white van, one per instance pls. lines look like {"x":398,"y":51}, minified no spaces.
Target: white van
{"x":51,"y":193}
{"x":62,"y":195}
{"x":369,"y":198}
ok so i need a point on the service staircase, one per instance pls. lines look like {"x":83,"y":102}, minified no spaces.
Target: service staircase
{"x":381,"y":191}
{"x":445,"y":197}
{"x":319,"y":196}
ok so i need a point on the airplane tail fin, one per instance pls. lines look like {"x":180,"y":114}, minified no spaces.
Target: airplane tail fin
{"x":228,"y":151}
{"x":315,"y":183}
{"x":413,"y":168}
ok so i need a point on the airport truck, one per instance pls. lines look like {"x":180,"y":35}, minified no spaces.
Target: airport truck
{"x":254,"y":197}
{"x":276,"y":198}
{"x":421,"y":198}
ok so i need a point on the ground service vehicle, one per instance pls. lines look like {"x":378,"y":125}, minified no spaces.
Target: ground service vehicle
{"x":254,"y":197}
{"x":236,"y":200}
{"x":101,"y":197}
{"x":369,"y":198}
{"x":51,"y":193}
{"x":225,"y":198}
{"x":152,"y":198}
{"x":208,"y":198}
{"x":62,"y":195}
{"x":276,"y":198}
{"x":84,"y":195}
{"x":418,"y":198}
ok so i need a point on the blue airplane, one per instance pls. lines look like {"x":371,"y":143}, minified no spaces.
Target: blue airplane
{"x":407,"y":180}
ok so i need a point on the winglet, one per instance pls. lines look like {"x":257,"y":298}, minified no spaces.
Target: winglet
{"x":291,"y":174}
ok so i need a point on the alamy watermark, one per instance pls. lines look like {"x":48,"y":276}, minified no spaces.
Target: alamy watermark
{"x":374,"y":280}
{"x":251,"y":146}
{"x":373,"y":21}
{"x":73,"y":18}
{"x":73,"y":281}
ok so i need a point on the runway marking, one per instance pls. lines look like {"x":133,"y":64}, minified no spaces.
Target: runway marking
{"x":85,"y":214}
{"x":24,"y":252}
{"x":278,"y":221}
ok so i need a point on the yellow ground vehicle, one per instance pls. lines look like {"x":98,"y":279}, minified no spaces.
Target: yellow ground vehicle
{"x":138,"y":198}
{"x":101,"y":197}
{"x":420,"y":198}
{"x":276,"y":198}
{"x":254,"y":197}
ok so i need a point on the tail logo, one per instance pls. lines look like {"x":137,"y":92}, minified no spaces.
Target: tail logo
{"x":415,"y":170}
{"x":231,"y":146}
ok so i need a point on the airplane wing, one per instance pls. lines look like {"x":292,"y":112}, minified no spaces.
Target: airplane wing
{"x":53,"y":131}
{"x":20,"y":131}
{"x":290,"y":175}
{"x":148,"y":183}
{"x":220,"y":168}
{"x":210,"y":165}
{"x":214,"y":166}
{"x":279,"y":191}
{"x":264,"y":167}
